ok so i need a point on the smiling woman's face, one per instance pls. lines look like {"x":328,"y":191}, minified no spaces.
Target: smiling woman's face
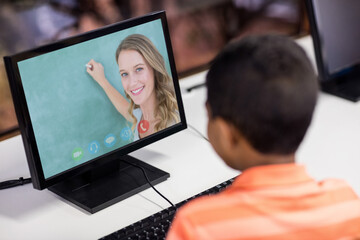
{"x":137,"y":76}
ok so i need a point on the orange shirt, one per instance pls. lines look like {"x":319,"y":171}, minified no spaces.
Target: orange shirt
{"x":272,"y":202}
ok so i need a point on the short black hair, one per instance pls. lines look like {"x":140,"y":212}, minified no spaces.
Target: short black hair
{"x":266,"y":87}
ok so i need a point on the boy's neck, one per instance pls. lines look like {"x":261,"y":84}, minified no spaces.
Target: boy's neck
{"x":276,"y":159}
{"x":250,"y":157}
{"x":269,"y":160}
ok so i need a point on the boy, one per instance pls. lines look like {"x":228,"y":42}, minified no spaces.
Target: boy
{"x":261,"y":95}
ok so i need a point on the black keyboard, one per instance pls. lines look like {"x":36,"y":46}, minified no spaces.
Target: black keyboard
{"x":157,"y":225}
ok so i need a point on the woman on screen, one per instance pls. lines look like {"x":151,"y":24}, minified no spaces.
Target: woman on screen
{"x":146,"y":83}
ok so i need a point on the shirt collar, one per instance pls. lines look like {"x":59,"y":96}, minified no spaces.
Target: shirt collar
{"x":272,"y":175}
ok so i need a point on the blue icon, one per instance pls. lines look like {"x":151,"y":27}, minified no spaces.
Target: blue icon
{"x":110,"y":140}
{"x":125,"y":134}
{"x":94,"y":147}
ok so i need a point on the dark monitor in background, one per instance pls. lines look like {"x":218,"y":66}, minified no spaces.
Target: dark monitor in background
{"x":75,"y":135}
{"x":336,"y":36}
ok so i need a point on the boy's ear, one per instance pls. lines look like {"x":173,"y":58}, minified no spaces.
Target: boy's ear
{"x":230,"y":134}
{"x":208,"y":109}
{"x":227,"y":131}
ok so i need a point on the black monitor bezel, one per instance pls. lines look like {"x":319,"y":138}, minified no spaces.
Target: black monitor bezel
{"x":316,"y":37}
{"x":320,"y":55}
{"x":22,"y":111}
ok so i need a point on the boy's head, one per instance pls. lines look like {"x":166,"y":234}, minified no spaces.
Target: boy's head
{"x":262,"y":92}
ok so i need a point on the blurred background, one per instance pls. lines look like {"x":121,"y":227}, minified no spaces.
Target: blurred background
{"x":198,"y":29}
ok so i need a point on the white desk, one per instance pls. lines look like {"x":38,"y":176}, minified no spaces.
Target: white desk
{"x":330,"y":149}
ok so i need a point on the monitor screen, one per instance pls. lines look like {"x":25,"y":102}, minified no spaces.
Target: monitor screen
{"x":83,"y":100}
{"x":335,"y":22}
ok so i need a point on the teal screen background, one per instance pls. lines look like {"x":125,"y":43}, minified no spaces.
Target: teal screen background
{"x":68,"y":109}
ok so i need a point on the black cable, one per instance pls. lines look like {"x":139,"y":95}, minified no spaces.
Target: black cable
{"x":147,"y":179}
{"x":195,"y":87}
{"x":14,"y":183}
{"x":198,"y":132}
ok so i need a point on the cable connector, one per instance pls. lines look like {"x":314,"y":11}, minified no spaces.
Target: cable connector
{"x":14,"y":183}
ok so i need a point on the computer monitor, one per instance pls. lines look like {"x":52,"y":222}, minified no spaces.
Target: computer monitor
{"x":85,"y":102}
{"x":336,"y":37}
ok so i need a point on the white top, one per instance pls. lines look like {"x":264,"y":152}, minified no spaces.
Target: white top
{"x":138,"y":114}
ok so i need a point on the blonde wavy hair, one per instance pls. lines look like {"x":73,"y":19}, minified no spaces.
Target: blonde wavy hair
{"x":166,"y":111}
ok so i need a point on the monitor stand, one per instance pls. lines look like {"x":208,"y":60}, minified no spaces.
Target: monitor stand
{"x":110,"y":183}
{"x":346,"y":86}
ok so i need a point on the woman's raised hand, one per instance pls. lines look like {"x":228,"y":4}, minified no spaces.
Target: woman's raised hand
{"x":96,"y":71}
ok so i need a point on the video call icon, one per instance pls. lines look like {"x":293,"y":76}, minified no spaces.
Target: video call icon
{"x":77,"y":153}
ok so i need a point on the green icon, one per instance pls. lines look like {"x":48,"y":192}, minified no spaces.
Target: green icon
{"x":77,"y":154}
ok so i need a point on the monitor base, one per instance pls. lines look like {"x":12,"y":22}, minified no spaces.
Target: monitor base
{"x":109,"y":184}
{"x":347,"y":87}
